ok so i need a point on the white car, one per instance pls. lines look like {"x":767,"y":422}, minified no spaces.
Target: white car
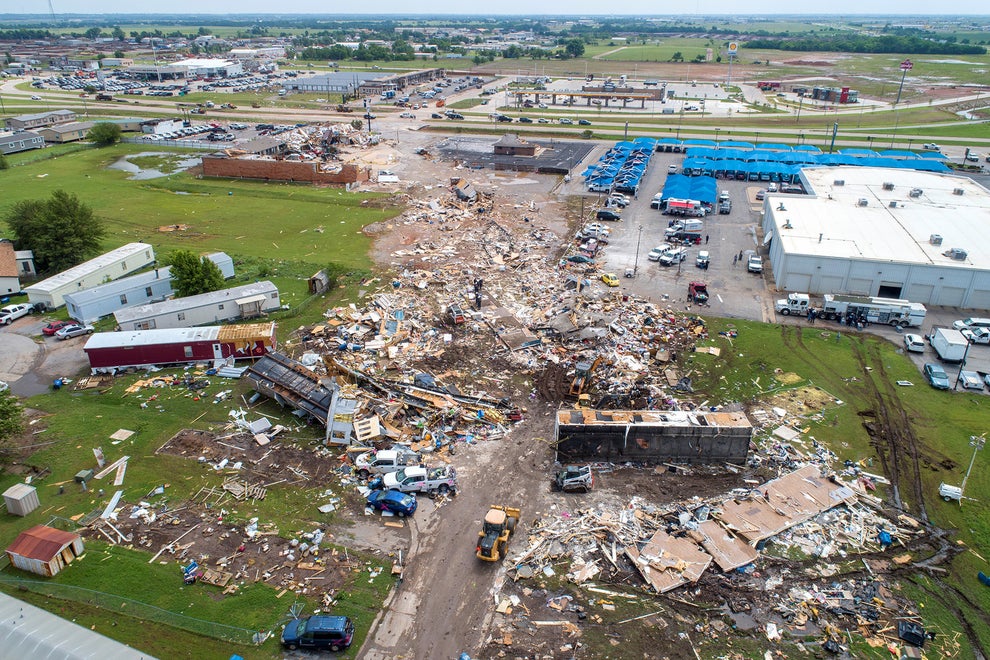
{"x":35,"y":97}
{"x":914,"y":343}
{"x":74,"y":330}
{"x":971,"y":322}
{"x":930,"y":146}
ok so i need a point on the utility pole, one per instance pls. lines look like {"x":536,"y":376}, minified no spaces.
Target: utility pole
{"x":639,"y":238}
{"x":977,"y":443}
{"x":906,"y":66}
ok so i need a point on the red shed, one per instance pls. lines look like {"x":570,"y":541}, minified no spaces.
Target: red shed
{"x":109,"y":351}
{"x":44,"y":550}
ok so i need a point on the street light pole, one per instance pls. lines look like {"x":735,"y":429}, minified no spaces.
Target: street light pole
{"x":639,"y":238}
{"x":977,"y":442}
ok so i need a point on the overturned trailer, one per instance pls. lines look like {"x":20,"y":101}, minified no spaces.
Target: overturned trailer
{"x":112,"y":351}
{"x":651,"y":436}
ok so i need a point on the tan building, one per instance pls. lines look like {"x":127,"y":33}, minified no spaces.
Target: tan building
{"x":40,"y":120}
{"x":71,"y":132}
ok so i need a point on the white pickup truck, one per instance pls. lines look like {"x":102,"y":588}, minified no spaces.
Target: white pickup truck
{"x":384,"y":461}
{"x":11,"y":313}
{"x":422,"y":480}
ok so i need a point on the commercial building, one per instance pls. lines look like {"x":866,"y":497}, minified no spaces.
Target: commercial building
{"x":239,"y":302}
{"x":20,"y":141}
{"x":651,"y":436}
{"x":152,"y":286}
{"x":892,"y":233}
{"x":106,"y":267}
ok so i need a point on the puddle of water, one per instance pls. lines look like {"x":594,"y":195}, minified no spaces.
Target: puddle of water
{"x":138,"y":174}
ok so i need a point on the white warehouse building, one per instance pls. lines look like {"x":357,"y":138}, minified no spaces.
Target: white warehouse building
{"x":893,"y":233}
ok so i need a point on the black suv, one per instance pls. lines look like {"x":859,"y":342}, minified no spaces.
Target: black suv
{"x":318,"y":632}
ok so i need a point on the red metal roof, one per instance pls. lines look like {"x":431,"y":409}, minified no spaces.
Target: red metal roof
{"x":41,"y":543}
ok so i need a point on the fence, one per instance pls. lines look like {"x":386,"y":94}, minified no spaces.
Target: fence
{"x":132,"y":608}
{"x":205,"y":145}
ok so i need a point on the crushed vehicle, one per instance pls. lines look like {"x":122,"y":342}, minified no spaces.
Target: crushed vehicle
{"x":698,"y":293}
{"x":574,"y":478}
{"x":396,"y":502}
{"x":384,"y":461}
{"x":418,"y":479}
{"x":493,"y":539}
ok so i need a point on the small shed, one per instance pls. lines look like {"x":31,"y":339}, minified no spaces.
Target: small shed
{"x":44,"y":550}
{"x":21,"y":499}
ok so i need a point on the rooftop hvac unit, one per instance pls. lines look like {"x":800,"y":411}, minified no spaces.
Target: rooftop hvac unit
{"x":839,"y":182}
{"x":893,"y":205}
{"x":957,"y":253}
{"x":863,"y":202}
{"x":916,"y":192}
{"x":958,"y":191}
{"x":935,"y":239}
{"x":888,"y":186}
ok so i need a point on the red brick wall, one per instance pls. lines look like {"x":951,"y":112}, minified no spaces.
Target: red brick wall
{"x":282,"y":170}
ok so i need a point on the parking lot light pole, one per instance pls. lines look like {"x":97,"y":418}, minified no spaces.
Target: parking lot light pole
{"x":977,"y":443}
{"x":639,"y":239}
{"x":962,"y":366}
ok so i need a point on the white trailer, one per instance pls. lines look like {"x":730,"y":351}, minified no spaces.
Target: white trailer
{"x":949,"y":344}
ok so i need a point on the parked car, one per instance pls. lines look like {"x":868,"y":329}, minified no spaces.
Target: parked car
{"x":399,"y":503}
{"x":618,"y":199}
{"x":672,"y":169}
{"x":755,"y":264}
{"x":914,"y":343}
{"x":74,"y":330}
{"x":334,"y":633}
{"x":725,"y":207}
{"x":436,"y":115}
{"x":593,"y":230}
{"x":565,"y":120}
{"x":11,"y":313}
{"x":54,"y":327}
{"x":703,"y":259}
{"x":659,"y":251}
{"x":673,"y":256}
{"x":607,"y":214}
{"x":584,"y":122}
{"x":525,"y":120}
{"x":761,"y":195}
{"x":936,"y":376}
{"x":543,"y":120}
{"x":418,"y":479}
{"x":610,"y":279}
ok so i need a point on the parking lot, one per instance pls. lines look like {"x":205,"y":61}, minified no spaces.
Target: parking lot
{"x":734,"y":292}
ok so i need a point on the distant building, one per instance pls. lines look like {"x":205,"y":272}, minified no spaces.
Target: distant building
{"x":109,"y":266}
{"x":240,"y":302}
{"x":21,"y":141}
{"x":44,"y":550}
{"x":117,"y":61}
{"x":511,"y":144}
{"x":40,"y":119}
{"x":71,"y":132}
{"x":210,"y":68}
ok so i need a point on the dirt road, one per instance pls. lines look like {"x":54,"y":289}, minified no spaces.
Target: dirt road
{"x":442,"y":606}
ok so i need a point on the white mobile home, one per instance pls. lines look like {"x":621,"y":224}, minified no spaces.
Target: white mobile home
{"x":239,"y":302}
{"x":104,"y":268}
{"x":155,"y":285}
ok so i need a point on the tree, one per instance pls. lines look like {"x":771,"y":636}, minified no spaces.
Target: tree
{"x":11,"y":421}
{"x":4,"y":163}
{"x":677,"y":57}
{"x":60,"y":230}
{"x":119,"y":54}
{"x":93,"y":33}
{"x":104,"y":134}
{"x":192,"y":275}
{"x":117,"y":33}
{"x":574,"y":48}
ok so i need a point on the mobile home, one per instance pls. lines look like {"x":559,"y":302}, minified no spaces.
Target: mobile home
{"x":239,"y":302}
{"x":107,"y":267}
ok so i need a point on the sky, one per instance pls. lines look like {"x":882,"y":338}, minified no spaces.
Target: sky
{"x":515,"y":7}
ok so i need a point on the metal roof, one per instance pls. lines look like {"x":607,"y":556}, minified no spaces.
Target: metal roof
{"x":89,"y":267}
{"x":17,"y":137}
{"x":41,"y":543}
{"x":42,"y":115}
{"x":117,"y":287}
{"x":134,"y":338}
{"x":27,"y":631}
{"x":832,"y":221}
{"x":175,"y":305}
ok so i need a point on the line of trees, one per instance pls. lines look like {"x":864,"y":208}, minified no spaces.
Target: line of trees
{"x":399,"y":51}
{"x":854,"y":43}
